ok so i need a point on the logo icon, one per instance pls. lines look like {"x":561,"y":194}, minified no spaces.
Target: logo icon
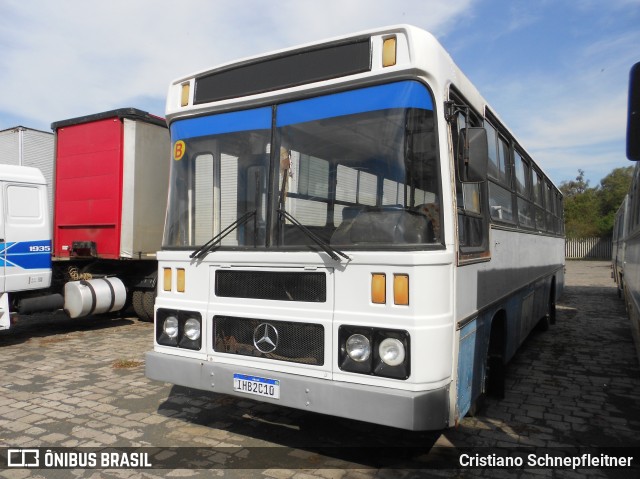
{"x":23,"y":458}
{"x":265,"y":338}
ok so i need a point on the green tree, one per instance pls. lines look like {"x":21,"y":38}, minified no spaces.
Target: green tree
{"x":611,"y":192}
{"x":590,"y":211}
{"x":572,"y":188}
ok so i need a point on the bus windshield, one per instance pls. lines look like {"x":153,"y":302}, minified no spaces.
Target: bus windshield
{"x":358,"y":169}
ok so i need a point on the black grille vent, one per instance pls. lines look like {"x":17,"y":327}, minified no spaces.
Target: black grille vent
{"x":294,"y":342}
{"x":273,"y":285}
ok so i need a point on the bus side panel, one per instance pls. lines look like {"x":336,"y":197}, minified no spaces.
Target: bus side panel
{"x":632,"y":285}
{"x":521,"y":311}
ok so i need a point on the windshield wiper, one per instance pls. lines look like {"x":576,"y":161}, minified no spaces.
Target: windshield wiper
{"x":326,"y":247}
{"x":203,"y":250}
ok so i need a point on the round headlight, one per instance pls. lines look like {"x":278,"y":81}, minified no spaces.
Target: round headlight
{"x":192,"y":329}
{"x":358,"y":347}
{"x":170,"y":327}
{"x":391,"y":352}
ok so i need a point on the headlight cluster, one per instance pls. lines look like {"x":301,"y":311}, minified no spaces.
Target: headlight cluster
{"x":182,"y":329}
{"x":379,"y":352}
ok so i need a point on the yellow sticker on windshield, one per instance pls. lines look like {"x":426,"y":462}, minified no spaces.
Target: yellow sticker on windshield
{"x":179,"y":149}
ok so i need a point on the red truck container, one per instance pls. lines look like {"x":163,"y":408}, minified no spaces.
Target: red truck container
{"x":111,"y":177}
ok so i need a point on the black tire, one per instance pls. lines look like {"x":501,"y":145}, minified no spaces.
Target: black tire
{"x":148,"y":302}
{"x":552,"y":303}
{"x":543,"y":324}
{"x":138,"y":306}
{"x":495,"y":376}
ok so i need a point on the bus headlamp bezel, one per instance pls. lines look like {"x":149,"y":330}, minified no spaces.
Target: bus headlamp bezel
{"x":374,"y":364}
{"x":187,"y":337}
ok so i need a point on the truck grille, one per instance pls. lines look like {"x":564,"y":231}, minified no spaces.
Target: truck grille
{"x":273,"y":285}
{"x":280,"y":340}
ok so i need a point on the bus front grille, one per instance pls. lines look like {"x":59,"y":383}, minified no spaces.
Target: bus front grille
{"x":272,"y":285}
{"x":279,"y":340}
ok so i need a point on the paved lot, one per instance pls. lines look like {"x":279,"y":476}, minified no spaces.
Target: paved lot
{"x":79,"y":383}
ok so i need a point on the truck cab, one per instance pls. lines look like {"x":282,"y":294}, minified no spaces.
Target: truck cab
{"x":25,"y":234}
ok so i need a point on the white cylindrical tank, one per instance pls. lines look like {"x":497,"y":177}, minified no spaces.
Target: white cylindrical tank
{"x":95,"y":296}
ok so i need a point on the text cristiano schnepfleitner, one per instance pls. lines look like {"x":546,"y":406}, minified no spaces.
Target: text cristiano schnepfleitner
{"x":545,"y":460}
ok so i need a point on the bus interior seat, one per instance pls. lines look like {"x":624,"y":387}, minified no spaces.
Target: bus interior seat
{"x":384,"y":225}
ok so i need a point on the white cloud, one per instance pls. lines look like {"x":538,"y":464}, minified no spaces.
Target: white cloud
{"x":62,"y":59}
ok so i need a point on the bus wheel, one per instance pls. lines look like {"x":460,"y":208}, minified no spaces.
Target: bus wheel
{"x":552,"y":303}
{"x":496,"y":372}
{"x":543,"y":324}
{"x":494,"y":379}
{"x":495,"y":369}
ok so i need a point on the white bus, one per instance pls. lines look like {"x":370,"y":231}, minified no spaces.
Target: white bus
{"x":626,"y":234}
{"x":352,"y":231}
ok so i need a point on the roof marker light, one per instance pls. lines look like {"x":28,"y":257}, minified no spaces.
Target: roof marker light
{"x":185,"y":93}
{"x":389,"y":50}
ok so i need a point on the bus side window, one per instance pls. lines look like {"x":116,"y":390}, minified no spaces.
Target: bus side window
{"x":525,"y":212}
{"x":500,"y":197}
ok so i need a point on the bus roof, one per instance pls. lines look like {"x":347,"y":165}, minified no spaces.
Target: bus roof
{"x":413,"y":42}
{"x":418,"y":53}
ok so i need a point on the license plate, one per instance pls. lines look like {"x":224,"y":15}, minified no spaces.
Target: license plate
{"x":257,"y":386}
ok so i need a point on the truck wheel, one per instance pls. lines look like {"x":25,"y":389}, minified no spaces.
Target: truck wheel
{"x":148,"y":301}
{"x":138,"y":306}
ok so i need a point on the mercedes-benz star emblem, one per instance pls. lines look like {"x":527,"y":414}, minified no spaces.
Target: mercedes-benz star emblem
{"x":265,"y":338}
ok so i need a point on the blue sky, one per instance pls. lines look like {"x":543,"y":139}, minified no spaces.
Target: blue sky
{"x":556,"y":71}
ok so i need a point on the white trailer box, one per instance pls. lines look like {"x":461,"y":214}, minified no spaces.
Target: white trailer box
{"x":28,"y":147}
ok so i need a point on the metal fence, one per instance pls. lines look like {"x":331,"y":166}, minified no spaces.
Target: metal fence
{"x":588,"y":248}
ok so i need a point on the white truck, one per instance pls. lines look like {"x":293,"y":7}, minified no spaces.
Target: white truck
{"x":25,"y":255}
{"x":25,"y":235}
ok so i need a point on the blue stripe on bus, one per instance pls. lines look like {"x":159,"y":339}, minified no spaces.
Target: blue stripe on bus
{"x":406,"y":94}
{"x":257,"y":119}
{"x":26,"y":254}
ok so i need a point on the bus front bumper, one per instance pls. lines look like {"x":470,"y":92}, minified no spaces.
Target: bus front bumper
{"x":417,"y":411}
